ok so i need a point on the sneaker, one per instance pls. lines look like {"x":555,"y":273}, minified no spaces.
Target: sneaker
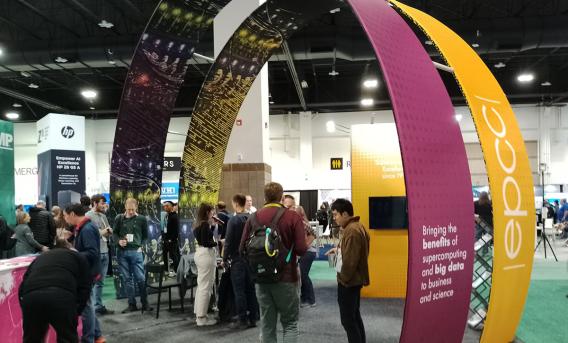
{"x":130,"y":308}
{"x":205,"y":321}
{"x":103,"y":310}
{"x":302,"y":305}
{"x":313,"y":305}
{"x":147,"y":308}
{"x":100,"y":339}
{"x":172,"y":274}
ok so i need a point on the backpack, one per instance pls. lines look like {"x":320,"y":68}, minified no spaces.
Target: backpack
{"x":264,"y":251}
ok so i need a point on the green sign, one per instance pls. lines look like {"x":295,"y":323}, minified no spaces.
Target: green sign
{"x":7,"y":209}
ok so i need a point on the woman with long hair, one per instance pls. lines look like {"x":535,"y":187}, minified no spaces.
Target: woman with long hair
{"x":25,"y":242}
{"x":205,"y":261}
{"x":307,"y":296}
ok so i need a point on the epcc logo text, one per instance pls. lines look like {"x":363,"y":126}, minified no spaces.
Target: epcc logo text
{"x":67,"y":132}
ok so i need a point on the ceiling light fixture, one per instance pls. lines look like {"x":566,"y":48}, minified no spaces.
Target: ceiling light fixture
{"x":60,"y":59}
{"x":16,"y":105}
{"x":25,"y":74}
{"x":546,"y":84}
{"x":333,"y":72}
{"x":525,"y":77}
{"x":271,"y":102}
{"x":304,"y":84}
{"x":33,"y":85}
{"x":459,"y":117}
{"x":367,"y":102}
{"x":500,"y":65}
{"x":335,"y":10}
{"x":89,"y":94}
{"x":429,"y":42}
{"x":371,"y":83}
{"x":475,"y":45}
{"x":330,"y":126}
{"x":12,"y":115}
{"x":92,"y":108}
{"x":105,"y":24}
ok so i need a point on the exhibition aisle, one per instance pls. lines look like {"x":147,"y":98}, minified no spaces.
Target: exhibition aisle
{"x":383,"y":320}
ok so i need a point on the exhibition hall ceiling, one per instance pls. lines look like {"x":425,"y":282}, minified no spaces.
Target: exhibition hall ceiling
{"x":51,"y":51}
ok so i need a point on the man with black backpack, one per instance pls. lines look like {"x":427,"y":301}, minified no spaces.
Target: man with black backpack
{"x":243,"y":286}
{"x":272,"y":240}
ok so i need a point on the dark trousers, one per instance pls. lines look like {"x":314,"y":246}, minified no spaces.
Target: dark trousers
{"x":323,"y":223}
{"x":349,"y":299}
{"x":49,"y":306}
{"x":171,"y":248}
{"x":243,"y":288}
{"x":307,"y":290}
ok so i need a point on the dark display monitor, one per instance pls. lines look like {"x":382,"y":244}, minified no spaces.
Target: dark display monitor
{"x":388,"y":213}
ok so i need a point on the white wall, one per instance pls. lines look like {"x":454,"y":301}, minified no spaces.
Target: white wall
{"x":285,"y":148}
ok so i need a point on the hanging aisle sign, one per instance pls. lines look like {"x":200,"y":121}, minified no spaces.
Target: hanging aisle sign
{"x":7,"y":209}
{"x":509,"y":174}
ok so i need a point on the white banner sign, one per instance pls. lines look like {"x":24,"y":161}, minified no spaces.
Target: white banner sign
{"x":60,"y":132}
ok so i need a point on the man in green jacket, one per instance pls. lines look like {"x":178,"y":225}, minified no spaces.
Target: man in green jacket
{"x":131,"y":232}
{"x":352,"y":269}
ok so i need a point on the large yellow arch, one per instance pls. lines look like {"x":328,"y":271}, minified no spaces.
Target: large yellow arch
{"x":509,"y":173}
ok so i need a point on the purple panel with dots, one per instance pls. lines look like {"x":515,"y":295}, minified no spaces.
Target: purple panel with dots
{"x":437,"y":179}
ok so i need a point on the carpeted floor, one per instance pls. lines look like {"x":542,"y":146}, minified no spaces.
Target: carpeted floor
{"x":383,"y":320}
{"x":543,"y":319}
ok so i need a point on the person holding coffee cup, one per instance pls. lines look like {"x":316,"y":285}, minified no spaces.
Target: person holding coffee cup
{"x":131,"y":233}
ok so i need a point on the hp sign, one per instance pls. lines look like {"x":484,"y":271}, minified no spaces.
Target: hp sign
{"x":67,"y":132}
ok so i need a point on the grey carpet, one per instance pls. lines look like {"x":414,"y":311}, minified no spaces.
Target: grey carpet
{"x":383,"y":320}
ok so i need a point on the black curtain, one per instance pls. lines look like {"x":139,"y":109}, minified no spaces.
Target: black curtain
{"x":309,"y":201}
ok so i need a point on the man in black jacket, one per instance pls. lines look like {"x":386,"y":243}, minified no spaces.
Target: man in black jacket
{"x":42,"y":224}
{"x":243,"y":286}
{"x":54,"y":292}
{"x":87,"y":243}
{"x":170,"y":237}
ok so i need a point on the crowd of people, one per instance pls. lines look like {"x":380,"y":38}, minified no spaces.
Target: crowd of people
{"x":75,"y":252}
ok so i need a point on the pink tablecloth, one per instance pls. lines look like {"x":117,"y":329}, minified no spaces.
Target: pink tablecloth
{"x":11,"y":275}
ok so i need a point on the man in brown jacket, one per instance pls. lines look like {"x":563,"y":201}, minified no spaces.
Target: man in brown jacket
{"x":352,"y":269}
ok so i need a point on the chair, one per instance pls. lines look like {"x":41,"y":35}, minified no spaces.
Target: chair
{"x":161,"y":284}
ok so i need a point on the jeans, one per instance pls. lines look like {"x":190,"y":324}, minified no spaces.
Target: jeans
{"x":99,"y":285}
{"x":205,"y":262}
{"x":307,"y":294}
{"x":91,"y":326}
{"x":243,"y":288}
{"x":349,"y":300}
{"x":131,"y":264}
{"x":49,"y":306}
{"x":278,"y":298}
